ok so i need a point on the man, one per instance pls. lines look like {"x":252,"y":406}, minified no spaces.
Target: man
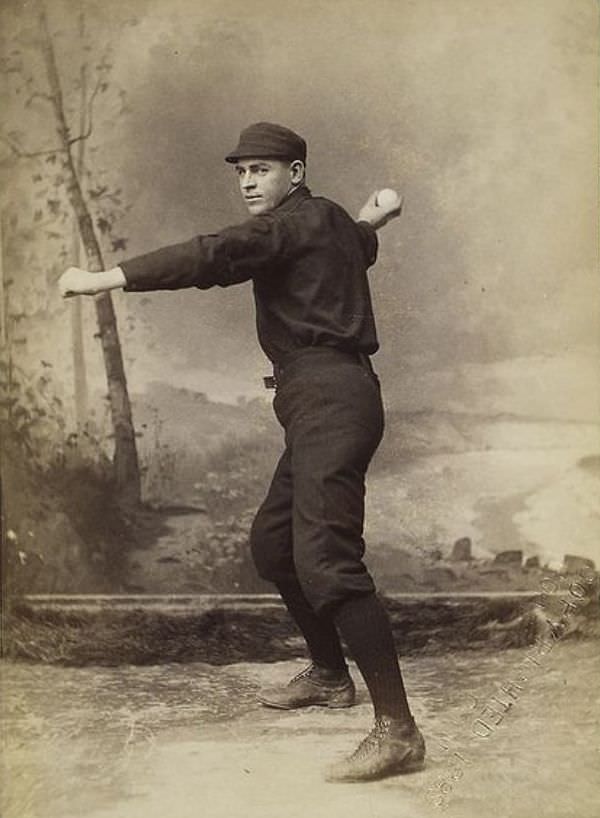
{"x":308,"y":260}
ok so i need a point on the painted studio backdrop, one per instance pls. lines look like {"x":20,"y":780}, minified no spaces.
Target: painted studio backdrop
{"x":483,"y":115}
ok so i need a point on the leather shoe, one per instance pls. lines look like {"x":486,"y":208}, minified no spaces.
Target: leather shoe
{"x":313,"y":686}
{"x":391,"y":748}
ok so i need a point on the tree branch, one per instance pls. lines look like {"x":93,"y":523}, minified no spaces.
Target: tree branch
{"x":90,"y":108}
{"x":81,"y":137}
{"x":90,"y":105}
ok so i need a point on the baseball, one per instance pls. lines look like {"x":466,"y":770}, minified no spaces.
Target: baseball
{"x":387,"y":198}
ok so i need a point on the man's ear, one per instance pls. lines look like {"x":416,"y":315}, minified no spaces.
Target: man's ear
{"x":297,"y":172}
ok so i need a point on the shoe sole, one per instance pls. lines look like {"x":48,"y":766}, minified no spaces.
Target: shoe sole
{"x":404,"y":767}
{"x":329,"y":705}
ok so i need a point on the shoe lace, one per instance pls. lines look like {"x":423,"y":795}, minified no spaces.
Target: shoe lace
{"x":372,"y":740}
{"x":306,"y":673}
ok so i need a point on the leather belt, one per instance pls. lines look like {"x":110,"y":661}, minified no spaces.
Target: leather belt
{"x":272,"y":381}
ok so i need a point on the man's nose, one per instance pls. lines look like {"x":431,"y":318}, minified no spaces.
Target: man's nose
{"x":248,"y":180}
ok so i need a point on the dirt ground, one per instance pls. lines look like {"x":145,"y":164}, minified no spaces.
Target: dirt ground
{"x":190,"y":740}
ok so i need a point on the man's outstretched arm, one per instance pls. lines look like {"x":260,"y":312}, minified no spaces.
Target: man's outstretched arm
{"x":230,"y":257}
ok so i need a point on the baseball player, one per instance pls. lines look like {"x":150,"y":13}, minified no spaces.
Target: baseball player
{"x":307,"y":259}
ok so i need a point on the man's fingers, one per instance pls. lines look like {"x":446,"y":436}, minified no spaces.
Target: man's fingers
{"x":381,"y":207}
{"x":72,"y":282}
{"x":63,"y":286}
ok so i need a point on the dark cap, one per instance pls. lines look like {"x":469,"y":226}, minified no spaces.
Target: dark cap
{"x":269,"y":141}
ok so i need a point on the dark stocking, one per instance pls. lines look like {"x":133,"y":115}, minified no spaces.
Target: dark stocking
{"x":365,"y":628}
{"x":319,"y":631}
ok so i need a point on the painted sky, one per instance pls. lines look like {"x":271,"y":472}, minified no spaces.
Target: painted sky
{"x":482,"y":114}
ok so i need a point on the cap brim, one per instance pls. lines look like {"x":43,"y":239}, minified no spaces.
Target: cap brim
{"x":259,"y":153}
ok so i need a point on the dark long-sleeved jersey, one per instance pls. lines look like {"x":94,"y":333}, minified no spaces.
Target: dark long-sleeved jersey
{"x":308,"y":262}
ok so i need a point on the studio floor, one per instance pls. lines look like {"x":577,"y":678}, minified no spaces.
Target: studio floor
{"x":190,"y":740}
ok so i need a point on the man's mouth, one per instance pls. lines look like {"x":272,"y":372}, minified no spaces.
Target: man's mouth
{"x":252,"y":198}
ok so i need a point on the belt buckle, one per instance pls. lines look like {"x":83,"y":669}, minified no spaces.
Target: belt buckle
{"x":270,"y":382}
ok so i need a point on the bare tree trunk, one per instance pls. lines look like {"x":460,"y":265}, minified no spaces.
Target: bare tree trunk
{"x":127,"y":472}
{"x":3,"y":295}
{"x":80,"y":389}
{"x":5,"y":332}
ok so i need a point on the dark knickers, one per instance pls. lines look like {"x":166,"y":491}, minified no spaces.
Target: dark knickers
{"x":310,"y":525}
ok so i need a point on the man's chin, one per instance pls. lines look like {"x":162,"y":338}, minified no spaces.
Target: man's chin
{"x":257,"y":207}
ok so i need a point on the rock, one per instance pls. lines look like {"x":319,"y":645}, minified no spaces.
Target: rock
{"x":573,"y":564}
{"x":512,"y":557}
{"x":532,"y":562}
{"x":461,"y":550}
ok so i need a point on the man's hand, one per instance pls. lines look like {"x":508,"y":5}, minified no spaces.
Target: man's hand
{"x":76,"y":281}
{"x":378,"y":213}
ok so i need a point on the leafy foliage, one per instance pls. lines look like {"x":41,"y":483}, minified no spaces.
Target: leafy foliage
{"x":60,"y":91}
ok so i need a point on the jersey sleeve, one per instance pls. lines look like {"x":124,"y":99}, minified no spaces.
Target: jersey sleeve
{"x":229,"y":257}
{"x":370,"y":242}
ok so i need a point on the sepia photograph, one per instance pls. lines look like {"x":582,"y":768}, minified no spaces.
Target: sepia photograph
{"x":299,"y":409}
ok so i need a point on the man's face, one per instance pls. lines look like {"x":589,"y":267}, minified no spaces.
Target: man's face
{"x":265,"y":183}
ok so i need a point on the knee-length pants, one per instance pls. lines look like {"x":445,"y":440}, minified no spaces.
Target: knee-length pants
{"x":310,"y":525}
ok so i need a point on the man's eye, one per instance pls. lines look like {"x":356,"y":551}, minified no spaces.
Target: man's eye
{"x":263,"y":171}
